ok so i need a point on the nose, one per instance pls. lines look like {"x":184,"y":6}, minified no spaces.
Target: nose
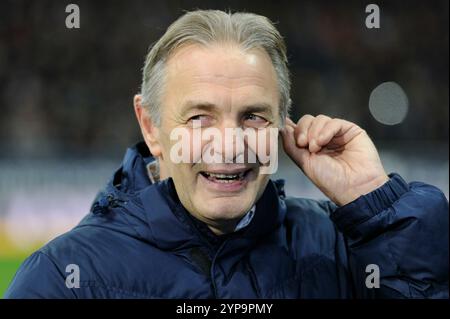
{"x":233,"y":145}
{"x":229,"y":145}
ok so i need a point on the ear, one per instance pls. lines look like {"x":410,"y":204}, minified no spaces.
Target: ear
{"x":149,"y":131}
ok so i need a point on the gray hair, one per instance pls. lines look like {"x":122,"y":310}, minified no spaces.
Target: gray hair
{"x":205,"y":27}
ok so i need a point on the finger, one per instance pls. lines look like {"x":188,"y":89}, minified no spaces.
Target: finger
{"x":287,"y":135}
{"x":298,"y":155}
{"x":337,"y":131}
{"x":301,"y":130}
{"x":289,"y":122}
{"x":313,"y":133}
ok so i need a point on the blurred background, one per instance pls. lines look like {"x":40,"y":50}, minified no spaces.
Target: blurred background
{"x":66,"y":115}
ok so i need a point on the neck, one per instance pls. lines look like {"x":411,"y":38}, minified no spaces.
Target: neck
{"x":222,"y":230}
{"x":218,"y":229}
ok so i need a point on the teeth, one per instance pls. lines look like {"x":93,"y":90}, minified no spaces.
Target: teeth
{"x":224,"y":175}
{"x":225,"y":181}
{"x":227,"y":178}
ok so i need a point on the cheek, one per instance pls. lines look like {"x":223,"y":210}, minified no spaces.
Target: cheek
{"x":264,"y":144}
{"x":190,"y":146}
{"x":165,"y":144}
{"x":196,"y":145}
{"x":185,"y":180}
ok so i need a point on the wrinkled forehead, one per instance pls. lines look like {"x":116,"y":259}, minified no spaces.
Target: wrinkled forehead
{"x":220,"y":57}
{"x":222,"y":67}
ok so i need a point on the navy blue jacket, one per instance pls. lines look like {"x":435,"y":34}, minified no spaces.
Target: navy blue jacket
{"x":138,"y":241}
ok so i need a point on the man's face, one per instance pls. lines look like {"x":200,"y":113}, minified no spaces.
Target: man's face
{"x":219,"y":87}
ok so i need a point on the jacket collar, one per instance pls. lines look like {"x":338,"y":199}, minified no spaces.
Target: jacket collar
{"x":172,"y":227}
{"x":155,"y":214}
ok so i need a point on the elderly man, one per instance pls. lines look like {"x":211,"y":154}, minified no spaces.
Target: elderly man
{"x":222,"y":229}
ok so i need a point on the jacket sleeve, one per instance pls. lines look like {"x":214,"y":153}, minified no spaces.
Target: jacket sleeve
{"x":37,"y":278}
{"x":401,"y":230}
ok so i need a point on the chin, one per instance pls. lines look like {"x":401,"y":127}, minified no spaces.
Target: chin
{"x":226,"y":209}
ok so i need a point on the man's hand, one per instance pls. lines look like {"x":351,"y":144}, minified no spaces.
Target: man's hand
{"x":336,"y":155}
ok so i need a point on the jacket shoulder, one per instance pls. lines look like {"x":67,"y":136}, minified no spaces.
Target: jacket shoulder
{"x":305,"y":209}
{"x":309,"y":227}
{"x":39,"y":276}
{"x":97,"y":252}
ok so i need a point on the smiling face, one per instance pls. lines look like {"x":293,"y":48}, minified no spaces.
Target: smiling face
{"x":220,"y":87}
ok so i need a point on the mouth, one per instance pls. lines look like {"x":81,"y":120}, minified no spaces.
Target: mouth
{"x":225,"y":177}
{"x":226,"y":180}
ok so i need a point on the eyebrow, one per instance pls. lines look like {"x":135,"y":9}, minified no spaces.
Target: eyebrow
{"x":211,"y":107}
{"x":258,"y":108}
{"x":197,"y":105}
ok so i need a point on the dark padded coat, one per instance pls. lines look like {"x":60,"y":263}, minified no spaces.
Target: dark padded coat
{"x":138,"y":241}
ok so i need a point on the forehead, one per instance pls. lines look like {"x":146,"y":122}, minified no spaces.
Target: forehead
{"x":221,"y":66}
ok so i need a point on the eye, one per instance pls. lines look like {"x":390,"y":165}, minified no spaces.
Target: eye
{"x":200,"y":120}
{"x":255,"y":121}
